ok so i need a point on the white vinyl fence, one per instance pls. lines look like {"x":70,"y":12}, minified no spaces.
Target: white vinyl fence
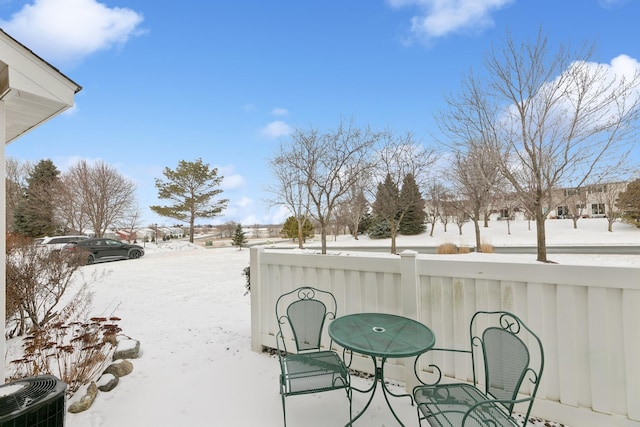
{"x":587,"y":317}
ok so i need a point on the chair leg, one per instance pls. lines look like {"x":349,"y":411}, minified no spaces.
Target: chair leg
{"x":284,"y":411}
{"x":419,"y":417}
{"x":350,"y":397}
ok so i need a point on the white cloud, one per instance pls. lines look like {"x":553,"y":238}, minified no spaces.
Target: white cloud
{"x":612,"y":4}
{"x":439,"y":18}
{"x":624,"y":65}
{"x":232,"y":180}
{"x":562,"y":97}
{"x":241,"y":210}
{"x":280,"y":111}
{"x":245,"y":202}
{"x":247,"y":213}
{"x":276,"y":129}
{"x":67,"y":31}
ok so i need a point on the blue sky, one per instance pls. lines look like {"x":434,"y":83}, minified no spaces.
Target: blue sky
{"x":226,"y":80}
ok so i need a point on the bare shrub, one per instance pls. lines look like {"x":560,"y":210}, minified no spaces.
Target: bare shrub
{"x":464,"y":249}
{"x":76,"y":352}
{"x":446,"y":249}
{"x":486,"y":248}
{"x":61,"y":342}
{"x":37,"y":280}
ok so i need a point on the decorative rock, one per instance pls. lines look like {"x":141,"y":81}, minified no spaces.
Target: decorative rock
{"x":119,"y":368}
{"x":107,"y":382}
{"x":85,"y":401}
{"x":127,"y":349}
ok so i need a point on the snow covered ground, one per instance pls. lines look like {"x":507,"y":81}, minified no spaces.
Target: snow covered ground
{"x":188,"y":308}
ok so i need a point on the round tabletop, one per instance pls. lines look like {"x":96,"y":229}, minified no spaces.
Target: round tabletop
{"x":381,"y":335}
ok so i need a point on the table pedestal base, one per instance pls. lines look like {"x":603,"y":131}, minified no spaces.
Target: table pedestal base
{"x":379,"y":377}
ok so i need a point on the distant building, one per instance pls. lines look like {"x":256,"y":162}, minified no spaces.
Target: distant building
{"x":590,"y":201}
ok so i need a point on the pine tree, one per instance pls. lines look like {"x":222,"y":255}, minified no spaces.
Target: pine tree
{"x":290,"y":228}
{"x":192,"y":186}
{"x":629,"y":203}
{"x":386,"y":210}
{"x":379,"y":228}
{"x":239,"y":237}
{"x":412,"y":221}
{"x":34,"y":215}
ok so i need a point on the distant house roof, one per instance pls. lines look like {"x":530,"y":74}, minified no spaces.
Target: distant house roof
{"x":33,"y":90}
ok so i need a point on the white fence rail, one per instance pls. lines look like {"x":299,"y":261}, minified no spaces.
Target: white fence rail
{"x":587,"y":317}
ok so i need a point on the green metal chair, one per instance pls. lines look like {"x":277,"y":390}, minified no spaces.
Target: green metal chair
{"x":310,"y":368}
{"x":505,"y":356}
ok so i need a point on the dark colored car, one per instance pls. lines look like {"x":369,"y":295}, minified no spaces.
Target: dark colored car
{"x":101,"y":249}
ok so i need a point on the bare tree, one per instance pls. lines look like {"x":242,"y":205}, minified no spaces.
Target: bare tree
{"x":328,"y":163}
{"x":70,"y":209}
{"x":435,"y":205}
{"x":507,"y":202}
{"x":356,"y":207}
{"x":290,"y":189}
{"x":100,"y":194}
{"x":228,"y":228}
{"x":556,"y":118}
{"x":460,"y":211}
{"x":474,"y":175}
{"x":130,"y":221}
{"x":607,"y":195}
{"x":576,"y":203}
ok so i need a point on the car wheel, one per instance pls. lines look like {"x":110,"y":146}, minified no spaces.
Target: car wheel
{"x":90,"y":259}
{"x":134,"y":254}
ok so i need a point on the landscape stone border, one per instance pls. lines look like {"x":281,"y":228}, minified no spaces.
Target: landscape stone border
{"x":126,"y":349}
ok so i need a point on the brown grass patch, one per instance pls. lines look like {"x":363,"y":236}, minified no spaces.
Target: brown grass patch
{"x":447,"y":249}
{"x":486,"y":248}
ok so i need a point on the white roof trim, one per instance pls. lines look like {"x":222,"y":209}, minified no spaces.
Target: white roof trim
{"x":32,"y":89}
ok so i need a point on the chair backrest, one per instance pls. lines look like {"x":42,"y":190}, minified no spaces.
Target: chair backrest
{"x":512,"y":356}
{"x":304,"y":311}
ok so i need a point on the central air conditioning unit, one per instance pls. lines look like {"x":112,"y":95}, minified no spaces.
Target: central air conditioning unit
{"x":33,"y":402}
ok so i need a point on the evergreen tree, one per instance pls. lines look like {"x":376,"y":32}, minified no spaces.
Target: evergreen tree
{"x":192,"y":186}
{"x":412,"y":221}
{"x":379,"y":228}
{"x":629,"y":203}
{"x":34,"y":215}
{"x":290,"y":228}
{"x":239,"y":237}
{"x":386,"y":209}
{"x":365,"y":223}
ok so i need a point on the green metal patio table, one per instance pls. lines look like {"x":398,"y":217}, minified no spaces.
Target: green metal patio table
{"x":381,"y":337}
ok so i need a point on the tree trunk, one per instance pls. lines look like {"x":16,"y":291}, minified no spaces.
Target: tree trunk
{"x":300,"y":234}
{"x":575,"y":222}
{"x":540,"y":234}
{"x":323,"y":237}
{"x":476,"y":225}
{"x":393,"y":231}
{"x":192,"y":228}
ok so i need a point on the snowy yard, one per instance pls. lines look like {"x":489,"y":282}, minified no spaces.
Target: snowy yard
{"x":187,"y":307}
